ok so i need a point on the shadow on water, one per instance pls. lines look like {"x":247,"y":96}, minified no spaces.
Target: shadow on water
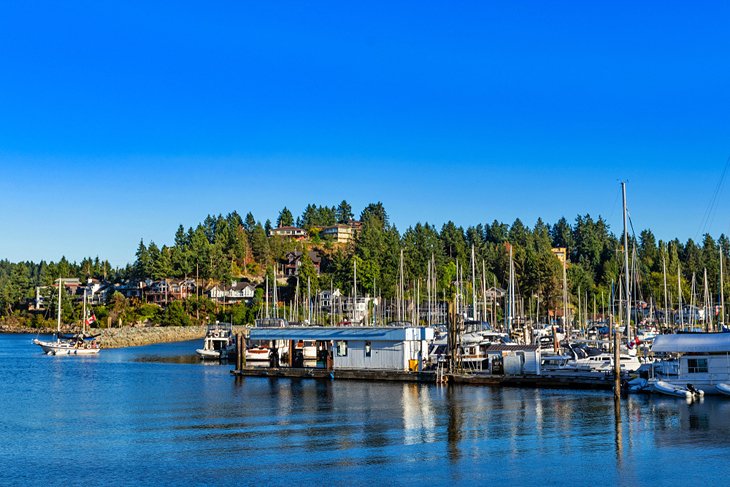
{"x":175,"y":359}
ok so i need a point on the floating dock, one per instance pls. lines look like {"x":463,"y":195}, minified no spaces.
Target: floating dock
{"x":597,"y":381}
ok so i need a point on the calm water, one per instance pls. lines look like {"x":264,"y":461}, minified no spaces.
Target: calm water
{"x":154,"y":415}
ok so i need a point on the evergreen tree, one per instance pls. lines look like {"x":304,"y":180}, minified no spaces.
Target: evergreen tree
{"x":286,"y":219}
{"x":344,"y":212}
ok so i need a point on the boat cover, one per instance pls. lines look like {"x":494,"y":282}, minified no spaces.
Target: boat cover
{"x":692,"y":343}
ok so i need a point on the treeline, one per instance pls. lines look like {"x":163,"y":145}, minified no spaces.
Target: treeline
{"x":222,"y":248}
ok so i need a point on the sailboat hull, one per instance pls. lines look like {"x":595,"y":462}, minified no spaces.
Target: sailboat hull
{"x":64,"y":348}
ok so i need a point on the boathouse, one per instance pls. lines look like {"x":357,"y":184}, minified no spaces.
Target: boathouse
{"x":365,"y":348}
{"x":509,"y":359}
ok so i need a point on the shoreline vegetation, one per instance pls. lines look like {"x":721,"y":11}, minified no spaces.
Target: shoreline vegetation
{"x":321,"y":249}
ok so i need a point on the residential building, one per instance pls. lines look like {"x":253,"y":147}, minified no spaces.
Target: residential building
{"x":166,"y":290}
{"x":340,"y":233}
{"x":561,"y":253}
{"x":232,"y":293}
{"x":293,"y":262}
{"x":294,"y":233}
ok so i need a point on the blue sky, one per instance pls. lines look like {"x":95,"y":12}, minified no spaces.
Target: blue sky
{"x":120,"y":121}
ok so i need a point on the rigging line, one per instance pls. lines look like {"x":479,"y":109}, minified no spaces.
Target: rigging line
{"x":708,"y":216}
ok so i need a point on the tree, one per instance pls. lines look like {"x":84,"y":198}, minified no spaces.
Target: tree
{"x":286,"y":219}
{"x":344,"y":212}
{"x":143,"y":264}
{"x":377,"y":210}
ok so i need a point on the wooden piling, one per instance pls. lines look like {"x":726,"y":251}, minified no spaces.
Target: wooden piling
{"x":239,"y":351}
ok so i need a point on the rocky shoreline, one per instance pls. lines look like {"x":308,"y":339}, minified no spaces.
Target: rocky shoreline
{"x":133,"y":336}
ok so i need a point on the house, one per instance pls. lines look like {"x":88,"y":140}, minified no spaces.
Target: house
{"x":294,"y":233}
{"x":561,"y":253}
{"x":340,"y":233}
{"x":369,"y":348}
{"x":166,"y":290}
{"x":233,"y":293}
{"x":293,"y":261}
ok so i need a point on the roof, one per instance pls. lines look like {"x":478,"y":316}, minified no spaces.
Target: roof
{"x":288,"y":228}
{"x":321,"y":333}
{"x":692,"y":342}
{"x":497,"y":347}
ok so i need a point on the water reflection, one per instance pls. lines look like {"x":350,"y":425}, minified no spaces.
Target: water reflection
{"x":140,"y":414}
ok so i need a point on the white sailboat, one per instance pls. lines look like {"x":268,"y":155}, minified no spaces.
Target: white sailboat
{"x":75,"y":344}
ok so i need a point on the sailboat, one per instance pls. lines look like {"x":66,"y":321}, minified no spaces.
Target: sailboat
{"x":74,"y":344}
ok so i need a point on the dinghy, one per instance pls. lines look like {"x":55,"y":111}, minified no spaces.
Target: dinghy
{"x":723,"y":389}
{"x":671,"y":390}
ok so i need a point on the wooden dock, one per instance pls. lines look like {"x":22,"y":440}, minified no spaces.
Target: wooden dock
{"x":584,"y":381}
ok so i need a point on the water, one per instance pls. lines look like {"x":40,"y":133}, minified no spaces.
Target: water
{"x":154,"y":415}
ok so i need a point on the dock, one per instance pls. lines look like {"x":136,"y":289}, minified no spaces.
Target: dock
{"x":596,"y":381}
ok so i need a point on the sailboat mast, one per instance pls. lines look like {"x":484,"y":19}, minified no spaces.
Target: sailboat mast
{"x":60,"y":291}
{"x":679,"y":289}
{"x":83,"y":315}
{"x":666,"y":303}
{"x":473,"y":285}
{"x":721,"y":321}
{"x":626,"y":267}
{"x":267,"y":294}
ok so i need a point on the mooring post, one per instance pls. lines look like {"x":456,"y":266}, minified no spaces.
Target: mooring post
{"x":617,"y":366}
{"x":239,"y":349}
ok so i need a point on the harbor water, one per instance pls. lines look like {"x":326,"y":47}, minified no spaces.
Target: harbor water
{"x":156,"y":415}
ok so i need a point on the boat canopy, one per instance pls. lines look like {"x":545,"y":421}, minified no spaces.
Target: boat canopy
{"x":692,"y":343}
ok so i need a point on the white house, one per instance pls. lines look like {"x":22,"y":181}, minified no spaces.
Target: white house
{"x":233,"y":293}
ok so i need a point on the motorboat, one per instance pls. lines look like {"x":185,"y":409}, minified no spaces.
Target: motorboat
{"x":219,"y":342}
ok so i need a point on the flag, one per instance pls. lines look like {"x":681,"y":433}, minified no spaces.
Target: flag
{"x":90,"y":319}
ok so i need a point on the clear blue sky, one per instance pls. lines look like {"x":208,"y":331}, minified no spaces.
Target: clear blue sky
{"x":122,"y":120}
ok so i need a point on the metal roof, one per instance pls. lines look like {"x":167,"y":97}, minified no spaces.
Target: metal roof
{"x":508,"y":348}
{"x":325,"y":333}
{"x":692,"y":342}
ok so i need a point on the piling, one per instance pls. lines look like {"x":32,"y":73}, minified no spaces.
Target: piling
{"x":239,"y":351}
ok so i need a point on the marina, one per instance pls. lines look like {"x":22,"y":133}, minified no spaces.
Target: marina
{"x":162,"y":402}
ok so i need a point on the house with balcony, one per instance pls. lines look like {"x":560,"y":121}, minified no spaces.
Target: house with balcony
{"x":340,"y":233}
{"x":235,"y":292}
{"x":293,"y":233}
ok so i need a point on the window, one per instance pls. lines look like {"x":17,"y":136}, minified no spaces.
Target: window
{"x":368,"y":349}
{"x":697,"y":365}
{"x":342,"y":349}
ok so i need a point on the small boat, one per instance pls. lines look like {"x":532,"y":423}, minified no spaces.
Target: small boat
{"x":689,"y":392}
{"x":219,"y":342}
{"x":258,"y":354}
{"x":723,"y":389}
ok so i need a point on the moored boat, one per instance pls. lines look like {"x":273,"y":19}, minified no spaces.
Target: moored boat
{"x":219,"y":342}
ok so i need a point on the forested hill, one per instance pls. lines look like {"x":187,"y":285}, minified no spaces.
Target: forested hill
{"x":231,"y":247}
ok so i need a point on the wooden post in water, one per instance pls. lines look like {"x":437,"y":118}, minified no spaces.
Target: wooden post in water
{"x":239,"y":351}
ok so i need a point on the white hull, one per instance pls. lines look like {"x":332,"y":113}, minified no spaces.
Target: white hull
{"x":723,"y":389}
{"x":214,"y":354}
{"x":669,"y":389}
{"x":64,"y":348}
{"x":257,"y":355}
